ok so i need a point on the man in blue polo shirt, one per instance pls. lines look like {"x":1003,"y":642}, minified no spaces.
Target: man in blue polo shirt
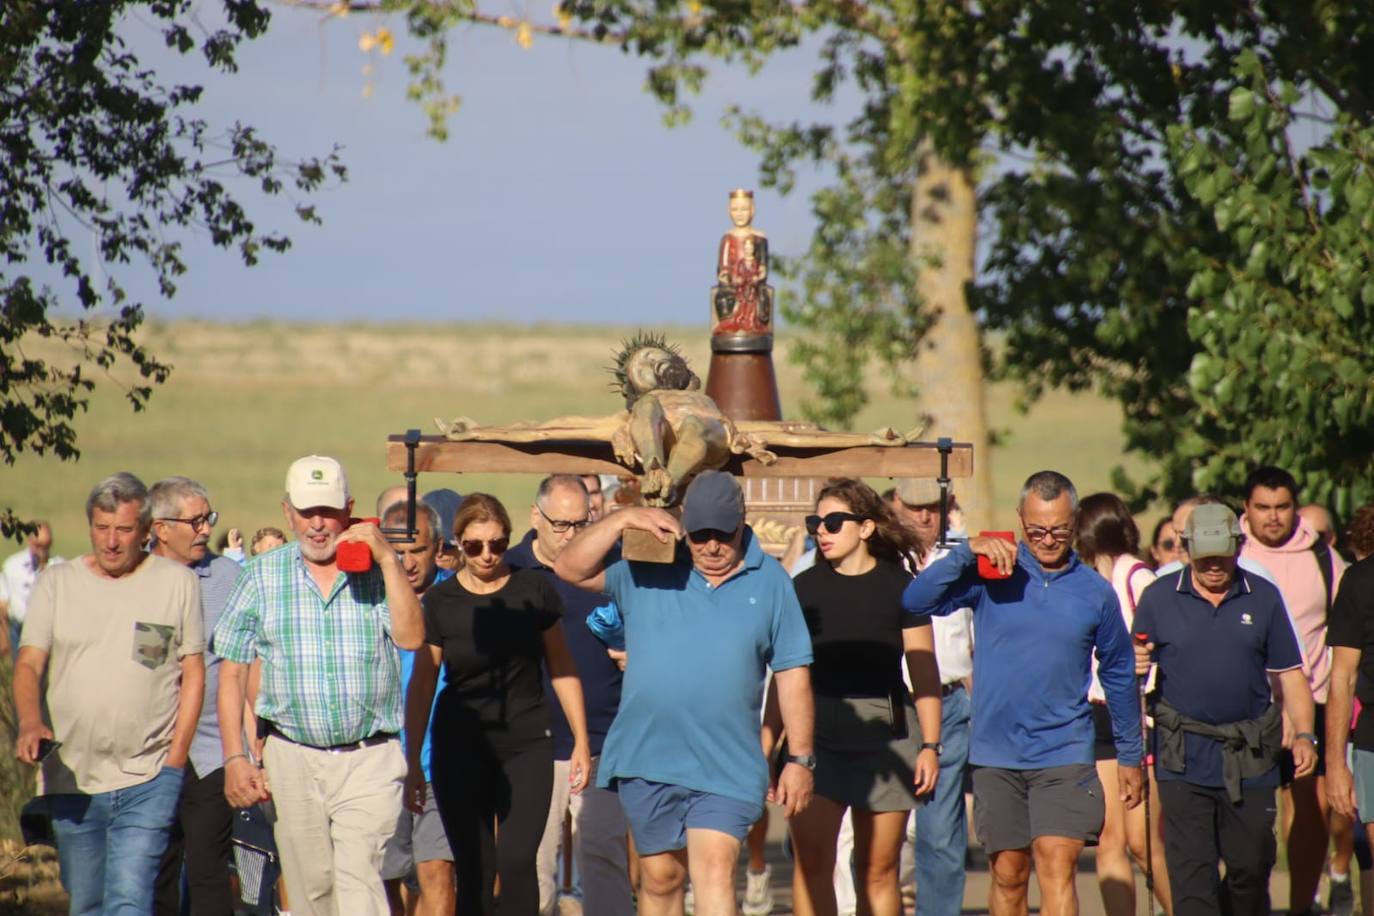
{"x":1219,"y":634}
{"x":561,"y":510}
{"x":1036,"y":793}
{"x":684,"y":752}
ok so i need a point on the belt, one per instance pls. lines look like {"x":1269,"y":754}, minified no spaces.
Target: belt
{"x":370,"y":741}
{"x":947,"y":689}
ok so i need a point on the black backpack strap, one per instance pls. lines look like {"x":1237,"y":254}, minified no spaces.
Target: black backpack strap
{"x":1326,"y":566}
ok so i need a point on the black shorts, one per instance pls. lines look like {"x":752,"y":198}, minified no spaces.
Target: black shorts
{"x":1013,"y":807}
{"x":1104,"y":743}
{"x":1286,"y":758}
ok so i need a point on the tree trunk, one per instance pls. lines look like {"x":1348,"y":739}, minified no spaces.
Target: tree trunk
{"x":949,"y":363}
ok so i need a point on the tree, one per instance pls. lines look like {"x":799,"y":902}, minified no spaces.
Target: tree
{"x":1096,"y":134}
{"x":92,"y":144}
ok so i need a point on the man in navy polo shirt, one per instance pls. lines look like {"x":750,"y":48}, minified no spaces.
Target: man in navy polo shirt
{"x":684,"y":752}
{"x":561,"y":510}
{"x":1036,"y":794}
{"x":1219,"y":634}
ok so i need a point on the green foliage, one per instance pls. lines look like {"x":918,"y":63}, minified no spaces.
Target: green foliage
{"x":1142,"y":207}
{"x":97,"y":155}
{"x":1283,"y":317}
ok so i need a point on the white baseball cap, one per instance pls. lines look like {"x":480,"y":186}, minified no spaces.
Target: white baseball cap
{"x":316,"y":481}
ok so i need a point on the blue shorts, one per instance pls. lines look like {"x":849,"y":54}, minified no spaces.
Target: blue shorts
{"x":660,"y":815}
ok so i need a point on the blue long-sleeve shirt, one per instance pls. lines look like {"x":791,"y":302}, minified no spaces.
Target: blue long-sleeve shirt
{"x":1035,"y":633}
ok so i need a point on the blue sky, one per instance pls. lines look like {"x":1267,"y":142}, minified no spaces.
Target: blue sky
{"x":560,"y":196}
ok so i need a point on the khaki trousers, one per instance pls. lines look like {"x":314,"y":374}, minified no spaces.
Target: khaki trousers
{"x":335,"y":812}
{"x":599,"y":847}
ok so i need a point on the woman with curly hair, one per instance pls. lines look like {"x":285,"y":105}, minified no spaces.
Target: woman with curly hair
{"x":876,"y":751}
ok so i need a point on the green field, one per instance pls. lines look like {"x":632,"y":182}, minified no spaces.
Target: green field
{"x":246,"y":399}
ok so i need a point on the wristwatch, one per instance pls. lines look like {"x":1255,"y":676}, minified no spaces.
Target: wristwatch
{"x":937,"y":746}
{"x":803,"y":760}
{"x":1308,"y":735}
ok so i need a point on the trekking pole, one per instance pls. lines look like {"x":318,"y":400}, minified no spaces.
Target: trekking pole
{"x":1142,"y":639}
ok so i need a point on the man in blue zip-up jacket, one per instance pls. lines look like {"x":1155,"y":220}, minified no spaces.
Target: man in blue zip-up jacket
{"x":1036,"y":792}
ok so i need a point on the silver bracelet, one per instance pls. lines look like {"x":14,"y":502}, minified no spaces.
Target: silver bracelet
{"x":236,"y":757}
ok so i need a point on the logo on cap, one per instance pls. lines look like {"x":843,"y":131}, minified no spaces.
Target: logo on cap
{"x":317,"y":475}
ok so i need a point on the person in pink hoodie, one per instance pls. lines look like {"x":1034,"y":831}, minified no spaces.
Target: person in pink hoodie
{"x":1307,"y":573}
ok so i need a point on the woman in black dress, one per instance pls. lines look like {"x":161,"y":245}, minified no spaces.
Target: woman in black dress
{"x":491,"y":627}
{"x":873,"y":756}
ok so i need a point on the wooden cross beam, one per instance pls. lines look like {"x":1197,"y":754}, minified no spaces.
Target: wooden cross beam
{"x":438,"y":453}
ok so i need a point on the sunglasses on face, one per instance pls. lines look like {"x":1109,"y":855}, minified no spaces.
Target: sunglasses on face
{"x":473,"y":548}
{"x":1167,"y":544}
{"x":706,"y":535}
{"x":1058,"y":535}
{"x":832,"y":522}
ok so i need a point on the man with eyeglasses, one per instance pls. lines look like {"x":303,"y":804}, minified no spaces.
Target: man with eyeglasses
{"x":112,"y":648}
{"x":330,"y":694}
{"x":1037,"y":798}
{"x":182,"y":524}
{"x":684,"y":754}
{"x":561,"y":511}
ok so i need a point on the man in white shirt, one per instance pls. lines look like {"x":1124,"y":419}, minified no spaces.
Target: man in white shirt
{"x":17,"y":577}
{"x":940,"y":825}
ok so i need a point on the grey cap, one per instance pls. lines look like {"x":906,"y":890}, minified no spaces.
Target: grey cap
{"x":713,"y":500}
{"x":1212,"y":531}
{"x":920,"y":491}
{"x":446,"y":503}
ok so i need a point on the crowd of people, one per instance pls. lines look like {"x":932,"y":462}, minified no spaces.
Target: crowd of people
{"x":424,"y":713}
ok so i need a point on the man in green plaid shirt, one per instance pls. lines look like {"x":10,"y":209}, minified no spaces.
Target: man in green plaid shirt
{"x":329,"y":704}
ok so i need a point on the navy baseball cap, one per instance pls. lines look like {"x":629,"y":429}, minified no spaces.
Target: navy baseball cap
{"x":714,"y":501}
{"x":446,"y":503}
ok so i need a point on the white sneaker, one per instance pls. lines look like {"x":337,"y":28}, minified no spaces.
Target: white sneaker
{"x":758,"y":892}
{"x":689,"y":902}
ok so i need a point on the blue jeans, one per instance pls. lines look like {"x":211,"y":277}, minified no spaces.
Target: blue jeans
{"x":941,"y":823}
{"x":110,"y":844}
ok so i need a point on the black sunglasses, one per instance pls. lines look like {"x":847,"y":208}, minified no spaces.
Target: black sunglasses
{"x":497,"y":546}
{"x":706,"y":535}
{"x":833,"y":522}
{"x":1167,"y":544}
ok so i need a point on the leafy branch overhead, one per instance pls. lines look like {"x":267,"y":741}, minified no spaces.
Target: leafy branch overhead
{"x":1172,"y":200}
{"x":103,"y":166}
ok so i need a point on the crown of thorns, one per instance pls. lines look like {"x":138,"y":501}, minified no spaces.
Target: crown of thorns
{"x":642,"y":340}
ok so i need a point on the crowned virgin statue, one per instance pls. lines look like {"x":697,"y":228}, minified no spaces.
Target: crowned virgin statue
{"x":742,"y":300}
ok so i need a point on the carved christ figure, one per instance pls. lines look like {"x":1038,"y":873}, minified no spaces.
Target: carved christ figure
{"x":670,"y":430}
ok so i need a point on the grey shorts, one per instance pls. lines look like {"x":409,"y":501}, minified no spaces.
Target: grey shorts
{"x":1362,"y":768}
{"x":418,"y":838}
{"x":1013,"y":807}
{"x":861,"y":760}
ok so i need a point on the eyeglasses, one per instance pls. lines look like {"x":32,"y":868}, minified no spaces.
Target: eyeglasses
{"x":1036,"y":533}
{"x":706,"y":535}
{"x":497,"y":546}
{"x":1167,"y":544}
{"x":832,"y":522}
{"x":562,"y":526}
{"x":199,"y":521}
